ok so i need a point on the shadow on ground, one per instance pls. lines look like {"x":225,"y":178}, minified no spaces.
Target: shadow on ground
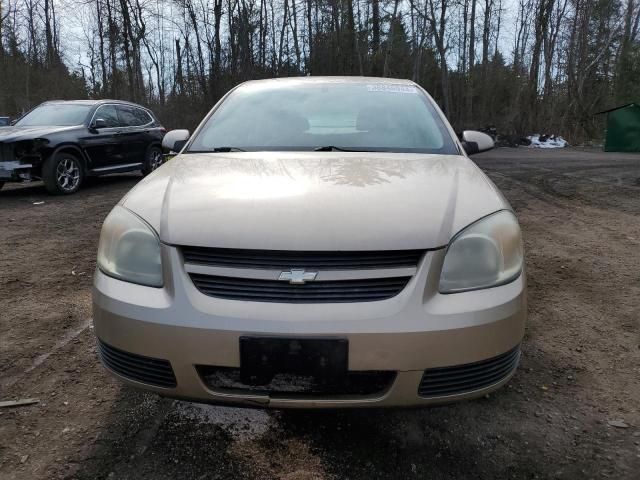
{"x":502,"y":436}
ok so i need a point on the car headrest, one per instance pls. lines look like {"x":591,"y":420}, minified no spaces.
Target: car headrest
{"x":372,"y":119}
{"x":292,"y":122}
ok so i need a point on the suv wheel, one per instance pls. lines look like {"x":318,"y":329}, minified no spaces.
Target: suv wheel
{"x":62,"y":174}
{"x":153,"y":160}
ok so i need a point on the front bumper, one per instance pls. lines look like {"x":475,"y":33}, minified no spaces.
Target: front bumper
{"x":418,"y":329}
{"x":15,"y":171}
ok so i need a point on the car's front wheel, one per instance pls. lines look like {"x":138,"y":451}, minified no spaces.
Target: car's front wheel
{"x":62,"y":174}
{"x":153,"y":160}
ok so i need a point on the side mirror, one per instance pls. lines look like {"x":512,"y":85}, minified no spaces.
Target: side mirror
{"x":13,"y":122}
{"x":99,"y":123}
{"x":175,"y":140}
{"x":476,"y":142}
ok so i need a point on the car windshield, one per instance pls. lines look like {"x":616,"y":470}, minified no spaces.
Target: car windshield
{"x":299,"y":116}
{"x":56,"y":115}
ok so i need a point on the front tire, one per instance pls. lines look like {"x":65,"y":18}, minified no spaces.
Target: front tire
{"x":152,"y":160}
{"x":62,"y":174}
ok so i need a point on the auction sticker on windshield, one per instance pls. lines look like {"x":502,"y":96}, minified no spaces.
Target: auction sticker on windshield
{"x":392,"y":88}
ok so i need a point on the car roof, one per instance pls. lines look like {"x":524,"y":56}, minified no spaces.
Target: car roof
{"x":331,"y":79}
{"x":90,"y":102}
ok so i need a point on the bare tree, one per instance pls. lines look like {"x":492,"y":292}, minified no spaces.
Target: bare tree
{"x":568,"y":57}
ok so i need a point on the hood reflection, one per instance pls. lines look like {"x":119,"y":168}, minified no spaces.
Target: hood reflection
{"x":249,"y":187}
{"x":313,"y":201}
{"x":282,"y":170}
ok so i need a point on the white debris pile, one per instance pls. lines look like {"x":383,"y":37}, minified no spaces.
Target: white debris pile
{"x":241,"y":423}
{"x":547,"y":141}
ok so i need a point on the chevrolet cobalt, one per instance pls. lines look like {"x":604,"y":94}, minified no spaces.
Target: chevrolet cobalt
{"x":317,"y":242}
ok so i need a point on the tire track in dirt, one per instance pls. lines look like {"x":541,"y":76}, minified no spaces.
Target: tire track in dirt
{"x":40,"y":359}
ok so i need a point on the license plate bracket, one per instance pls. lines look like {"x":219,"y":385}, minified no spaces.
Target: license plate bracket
{"x":261,"y":358}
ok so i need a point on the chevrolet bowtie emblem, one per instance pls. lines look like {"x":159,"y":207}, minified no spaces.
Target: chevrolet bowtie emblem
{"x":298,"y":276}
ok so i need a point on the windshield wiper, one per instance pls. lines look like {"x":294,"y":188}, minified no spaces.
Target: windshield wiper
{"x":333,"y":148}
{"x":226,"y":149}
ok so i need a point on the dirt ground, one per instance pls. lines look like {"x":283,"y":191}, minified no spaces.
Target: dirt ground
{"x":579,"y":376}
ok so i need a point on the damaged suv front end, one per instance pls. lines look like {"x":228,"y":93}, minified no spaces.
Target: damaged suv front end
{"x":21,"y":160}
{"x":63,"y":142}
{"x":27,"y":144}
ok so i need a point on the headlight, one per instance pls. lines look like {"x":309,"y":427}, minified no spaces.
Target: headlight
{"x":129,"y":249}
{"x":485,"y":254}
{"x":29,"y":148}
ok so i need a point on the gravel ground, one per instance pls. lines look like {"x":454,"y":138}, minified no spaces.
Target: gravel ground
{"x":571,"y":411}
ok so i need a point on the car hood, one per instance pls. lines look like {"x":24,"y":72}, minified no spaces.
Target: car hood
{"x":15,"y":134}
{"x":314,"y":200}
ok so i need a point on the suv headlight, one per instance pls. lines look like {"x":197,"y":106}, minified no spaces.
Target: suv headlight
{"x":129,"y":249}
{"x":485,"y":254}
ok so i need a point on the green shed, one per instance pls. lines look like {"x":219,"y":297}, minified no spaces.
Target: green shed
{"x":623,"y":129}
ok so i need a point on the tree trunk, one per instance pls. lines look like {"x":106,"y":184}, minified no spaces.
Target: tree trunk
{"x":541,"y":25}
{"x":103,"y":60}
{"x":472,"y":61}
{"x":439,"y":28}
{"x":351,"y":32}
{"x":294,"y":31}
{"x":112,"y":50}
{"x":472,"y":36}
{"x":217,"y":20}
{"x":282,"y":32}
{"x":179,"y":81}
{"x":310,"y":37}
{"x":486,"y":31}
{"x":390,"y":39}
{"x":126,"y":37}
{"x":202,"y":79}
{"x":49,"y":45}
{"x":375,"y":36}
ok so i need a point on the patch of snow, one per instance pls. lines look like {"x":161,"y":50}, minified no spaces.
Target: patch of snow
{"x":547,"y":141}
{"x":241,"y":423}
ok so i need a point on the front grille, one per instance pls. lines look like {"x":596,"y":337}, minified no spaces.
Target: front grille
{"x":460,"y":379}
{"x":335,"y":291}
{"x":285,"y":260}
{"x":227,"y":380}
{"x":7,"y":152}
{"x":152,"y":371}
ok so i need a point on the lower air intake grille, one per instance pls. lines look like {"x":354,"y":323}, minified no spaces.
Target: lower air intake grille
{"x":339,"y":291}
{"x":437,"y":382}
{"x":227,"y":380}
{"x":152,"y":371}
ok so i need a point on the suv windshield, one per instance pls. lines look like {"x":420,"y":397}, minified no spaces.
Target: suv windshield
{"x":383,"y":117}
{"x":56,"y":115}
